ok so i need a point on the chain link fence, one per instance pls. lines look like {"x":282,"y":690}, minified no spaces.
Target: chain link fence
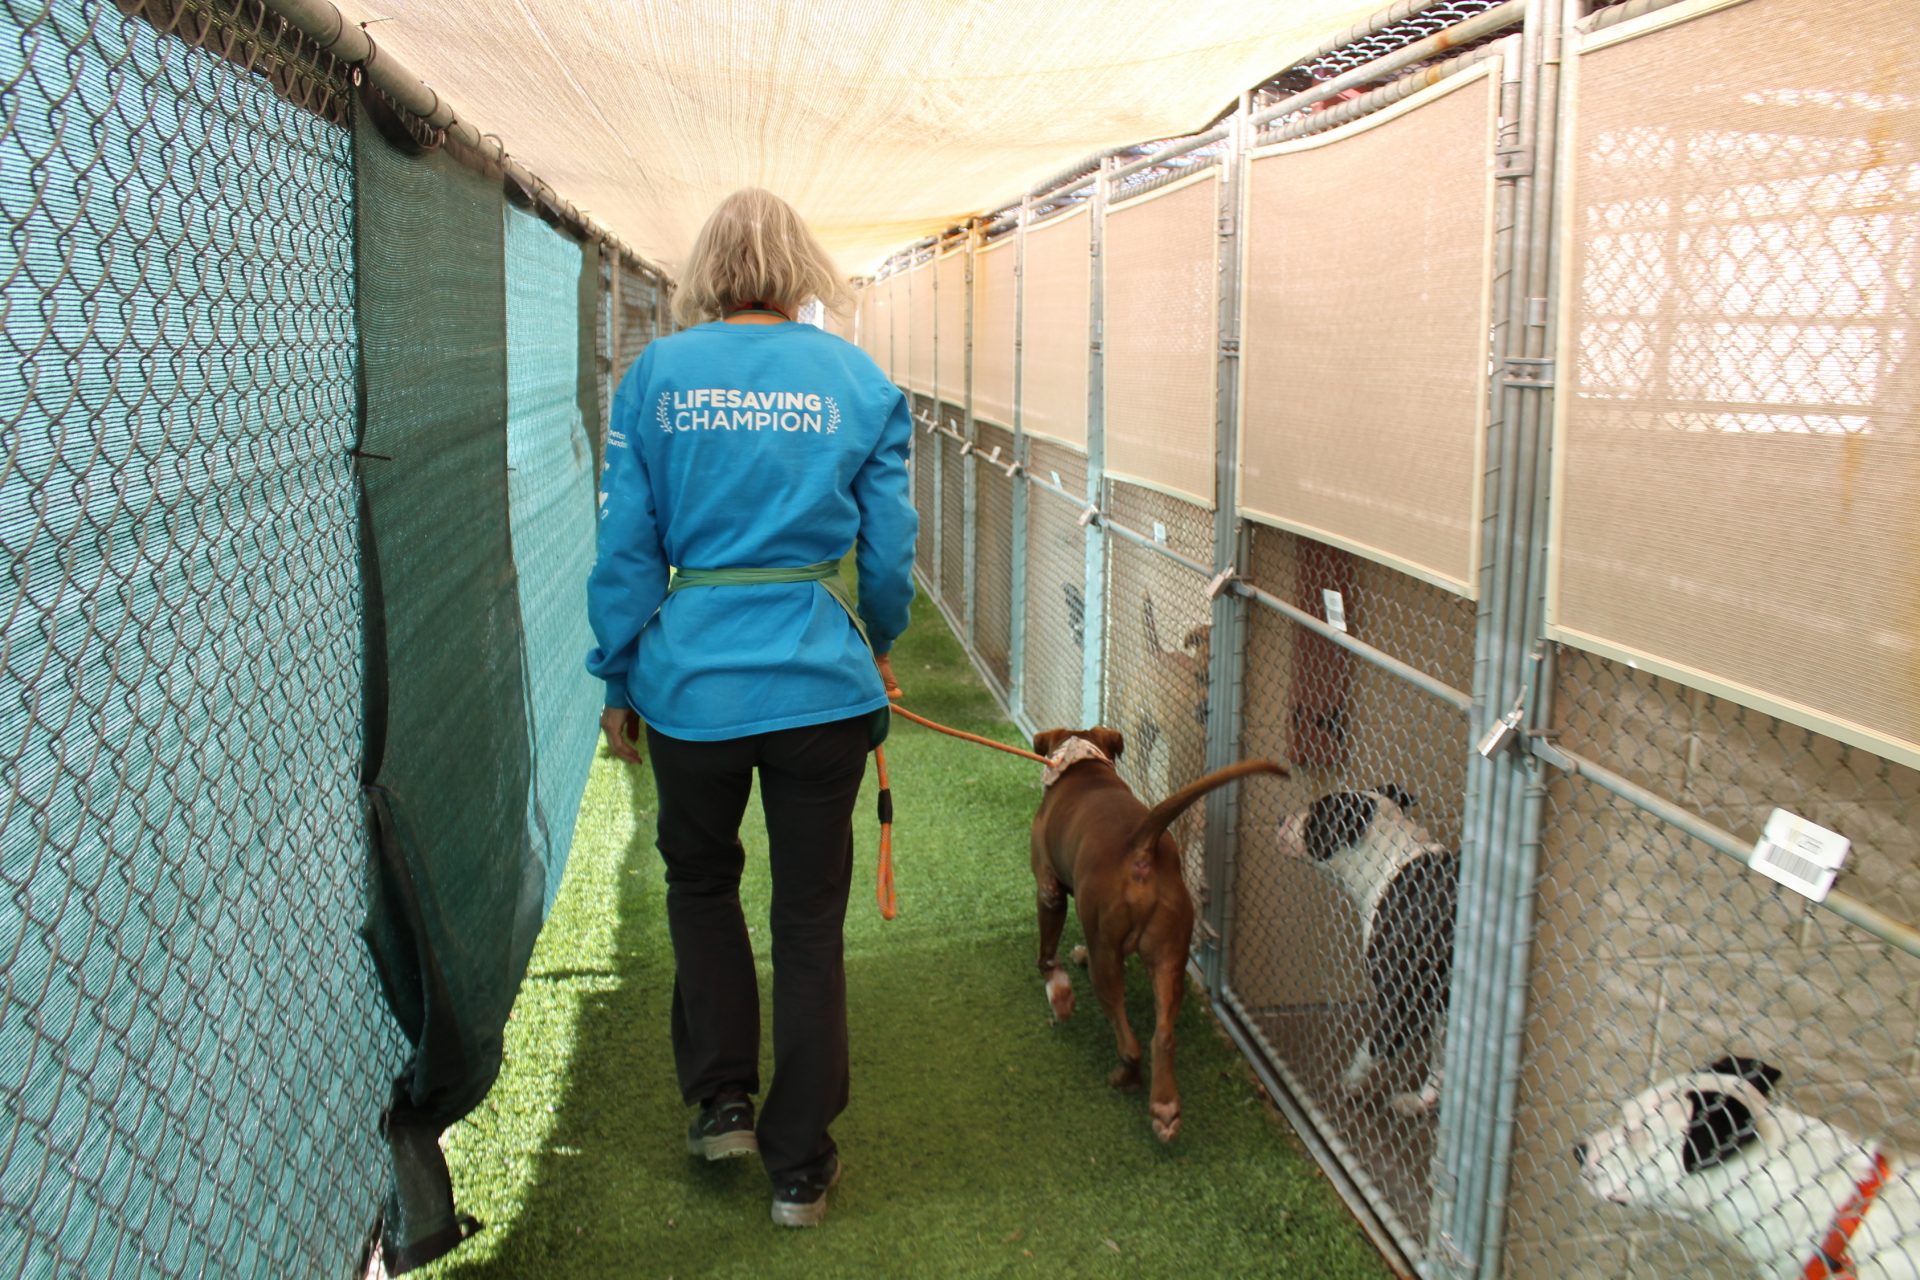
{"x":196,"y":685}
{"x":1494,"y":945}
{"x":180,"y":726}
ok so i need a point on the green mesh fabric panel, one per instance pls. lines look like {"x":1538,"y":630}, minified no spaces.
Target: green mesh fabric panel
{"x":193,"y":1047}
{"x":459,"y":888}
{"x":551,"y":487}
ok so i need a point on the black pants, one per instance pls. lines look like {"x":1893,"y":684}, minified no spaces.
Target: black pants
{"x":809,"y":778}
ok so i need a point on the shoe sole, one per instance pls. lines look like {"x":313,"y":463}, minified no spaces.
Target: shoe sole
{"x":725,"y":1146}
{"x":806,"y":1215}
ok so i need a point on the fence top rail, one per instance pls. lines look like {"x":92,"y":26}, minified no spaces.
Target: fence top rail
{"x":350,"y":43}
{"x":1478,"y":27}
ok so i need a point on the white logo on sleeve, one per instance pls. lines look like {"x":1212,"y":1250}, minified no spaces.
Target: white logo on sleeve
{"x":731,"y":409}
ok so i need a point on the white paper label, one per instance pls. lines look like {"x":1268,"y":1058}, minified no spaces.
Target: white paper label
{"x":1799,"y":855}
{"x":1336,"y":609}
{"x":1056,"y":478}
{"x":1159,"y":532}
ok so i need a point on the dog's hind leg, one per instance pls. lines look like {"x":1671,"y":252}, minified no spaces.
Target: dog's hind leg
{"x":1169,"y":989}
{"x":1053,"y":919}
{"x":1110,"y":984}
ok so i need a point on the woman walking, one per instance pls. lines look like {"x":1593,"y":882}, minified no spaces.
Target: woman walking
{"x":749,"y":452}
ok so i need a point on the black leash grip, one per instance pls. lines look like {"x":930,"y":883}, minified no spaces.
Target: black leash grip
{"x":886,"y":805}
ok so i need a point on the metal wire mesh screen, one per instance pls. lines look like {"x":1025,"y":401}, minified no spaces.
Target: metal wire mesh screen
{"x":1741,"y":342}
{"x":637,"y":323}
{"x":1365,"y":349}
{"x":919,"y":317}
{"x":550,"y":490}
{"x":953,"y":513}
{"x":1158,"y":637}
{"x":1056,"y":603}
{"x":951,"y":300}
{"x":1339,"y":928}
{"x":993,"y":552}
{"x":1161,"y":336}
{"x":994,"y":300}
{"x":1658,"y":956}
{"x":926,"y":446}
{"x":1055,"y":299}
{"x":177,"y":281}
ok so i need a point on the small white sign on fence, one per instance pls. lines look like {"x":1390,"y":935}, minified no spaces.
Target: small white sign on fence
{"x":1799,"y":855}
{"x":1336,"y":609}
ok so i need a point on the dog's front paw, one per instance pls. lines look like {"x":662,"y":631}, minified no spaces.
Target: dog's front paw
{"x":1166,"y":1120}
{"x":1060,"y":995}
{"x":1079,"y":956}
{"x":1126,"y":1076}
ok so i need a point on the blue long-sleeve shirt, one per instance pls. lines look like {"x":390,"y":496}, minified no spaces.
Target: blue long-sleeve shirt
{"x":750,"y":446}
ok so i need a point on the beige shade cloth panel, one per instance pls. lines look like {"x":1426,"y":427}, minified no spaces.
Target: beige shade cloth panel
{"x":919,"y":287}
{"x":1737,"y":488}
{"x":885,"y":335}
{"x":881,"y":120}
{"x":994,"y":299}
{"x":1364,"y":346}
{"x":1162,"y":323}
{"x":1056,"y":301}
{"x":950,"y":346}
{"x":863,"y":328}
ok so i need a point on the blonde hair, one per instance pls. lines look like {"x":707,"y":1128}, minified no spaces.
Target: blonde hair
{"x":755,"y":248}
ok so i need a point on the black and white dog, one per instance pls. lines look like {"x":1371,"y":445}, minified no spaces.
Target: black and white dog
{"x":1802,"y":1198}
{"x":1404,"y":884}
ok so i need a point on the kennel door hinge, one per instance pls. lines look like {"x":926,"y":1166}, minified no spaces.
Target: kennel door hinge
{"x":1529,"y":371}
{"x":1512,"y":162}
{"x":1230,"y":348}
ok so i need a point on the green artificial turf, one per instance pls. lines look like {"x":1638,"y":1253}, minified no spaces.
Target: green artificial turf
{"x":981,"y":1141}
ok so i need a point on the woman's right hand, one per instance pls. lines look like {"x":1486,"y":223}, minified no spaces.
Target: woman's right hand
{"x":885,"y":663}
{"x":621,"y":725}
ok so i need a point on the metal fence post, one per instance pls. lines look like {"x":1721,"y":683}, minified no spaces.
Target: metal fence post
{"x":970,"y":465}
{"x":1094,"y":607}
{"x":1226,"y":664}
{"x":1501,"y":840}
{"x":1022,"y":491}
{"x":936,"y":452}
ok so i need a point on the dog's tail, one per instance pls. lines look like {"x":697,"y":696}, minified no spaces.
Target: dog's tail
{"x":1161,"y":816}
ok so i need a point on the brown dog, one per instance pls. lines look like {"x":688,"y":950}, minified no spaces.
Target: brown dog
{"x":1095,"y":841}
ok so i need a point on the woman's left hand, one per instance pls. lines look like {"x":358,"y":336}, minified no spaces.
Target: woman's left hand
{"x":621,"y":725}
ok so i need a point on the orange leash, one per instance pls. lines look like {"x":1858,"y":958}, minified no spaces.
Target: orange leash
{"x":883,"y":878}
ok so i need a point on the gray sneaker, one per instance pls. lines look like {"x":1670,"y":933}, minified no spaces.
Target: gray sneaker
{"x":723,"y":1128}
{"x":801,"y":1199}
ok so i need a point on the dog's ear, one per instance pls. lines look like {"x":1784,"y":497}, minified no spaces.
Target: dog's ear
{"x":1337,"y":822}
{"x":1397,"y":793}
{"x":1755,"y":1072}
{"x":1199,"y":636}
{"x":1719,"y":1127}
{"x":1048,"y":741}
{"x":1108,"y":740}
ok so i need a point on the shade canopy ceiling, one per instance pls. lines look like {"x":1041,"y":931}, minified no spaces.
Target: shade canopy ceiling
{"x":881,"y":122}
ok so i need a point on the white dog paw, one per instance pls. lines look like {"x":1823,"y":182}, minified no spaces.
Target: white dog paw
{"x":1059,"y":996}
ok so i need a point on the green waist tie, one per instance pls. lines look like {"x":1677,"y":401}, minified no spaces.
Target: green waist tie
{"x":826,"y":573}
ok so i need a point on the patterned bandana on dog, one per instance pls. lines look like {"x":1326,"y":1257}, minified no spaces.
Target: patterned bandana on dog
{"x":1071,"y":753}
